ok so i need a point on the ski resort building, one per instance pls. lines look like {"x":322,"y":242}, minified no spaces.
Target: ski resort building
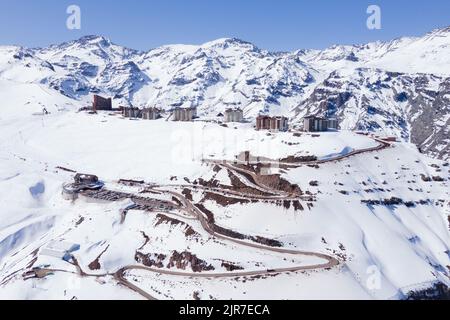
{"x":81,"y":178}
{"x":318,"y":124}
{"x":131,"y":112}
{"x":234,"y":115}
{"x":184,"y":114}
{"x":101,"y":103}
{"x":333,"y":124}
{"x":272,"y":123}
{"x":151,"y":113}
{"x":60,"y":250}
{"x":81,"y":183}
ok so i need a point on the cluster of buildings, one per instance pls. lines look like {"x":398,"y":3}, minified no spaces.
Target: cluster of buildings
{"x":272,"y":123}
{"x":131,"y":112}
{"x":231,"y":115}
{"x":310,"y":123}
{"x":177,"y":114}
{"x":184,"y":114}
{"x":146,"y":113}
{"x":319,"y":124}
{"x":151,"y":113}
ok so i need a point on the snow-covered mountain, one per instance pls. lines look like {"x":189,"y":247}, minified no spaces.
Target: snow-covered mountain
{"x":427,"y":54}
{"x":335,"y":215}
{"x":400,"y":87}
{"x":415,"y":107}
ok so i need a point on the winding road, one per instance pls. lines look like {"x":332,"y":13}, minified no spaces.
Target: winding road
{"x":331,"y":262}
{"x":193,"y":211}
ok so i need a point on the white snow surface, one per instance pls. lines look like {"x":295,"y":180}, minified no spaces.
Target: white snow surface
{"x":408,"y":246}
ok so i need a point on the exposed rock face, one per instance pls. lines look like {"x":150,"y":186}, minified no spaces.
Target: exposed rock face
{"x":223,"y":200}
{"x":183,"y":260}
{"x":163,"y":219}
{"x":188,"y":194}
{"x":438,"y":291}
{"x":231,"y":266}
{"x":241,"y":187}
{"x":95,"y":265}
{"x":151,"y":259}
{"x":413,"y":107}
{"x":395,"y":202}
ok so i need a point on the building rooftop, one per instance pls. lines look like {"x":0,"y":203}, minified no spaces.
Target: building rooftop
{"x":317,"y":117}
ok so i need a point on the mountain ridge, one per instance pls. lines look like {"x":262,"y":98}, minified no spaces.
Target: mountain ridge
{"x":232,"y":72}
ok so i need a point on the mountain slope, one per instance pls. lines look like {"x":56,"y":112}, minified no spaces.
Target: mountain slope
{"x":415,"y":107}
{"x":382,"y":210}
{"x":427,"y":54}
{"x":365,"y":210}
{"x":398,"y":87}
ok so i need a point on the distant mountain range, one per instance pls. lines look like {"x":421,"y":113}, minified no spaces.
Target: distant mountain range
{"x":400,"y":87}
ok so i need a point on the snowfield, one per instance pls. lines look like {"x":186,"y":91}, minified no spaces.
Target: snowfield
{"x":135,"y":148}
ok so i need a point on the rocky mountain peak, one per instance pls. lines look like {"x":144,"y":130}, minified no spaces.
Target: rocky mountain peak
{"x":379,"y":85}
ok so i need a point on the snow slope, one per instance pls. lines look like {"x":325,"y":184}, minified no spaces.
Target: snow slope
{"x":408,"y":246}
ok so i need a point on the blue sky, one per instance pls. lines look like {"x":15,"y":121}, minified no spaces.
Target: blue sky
{"x":270,"y":24}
